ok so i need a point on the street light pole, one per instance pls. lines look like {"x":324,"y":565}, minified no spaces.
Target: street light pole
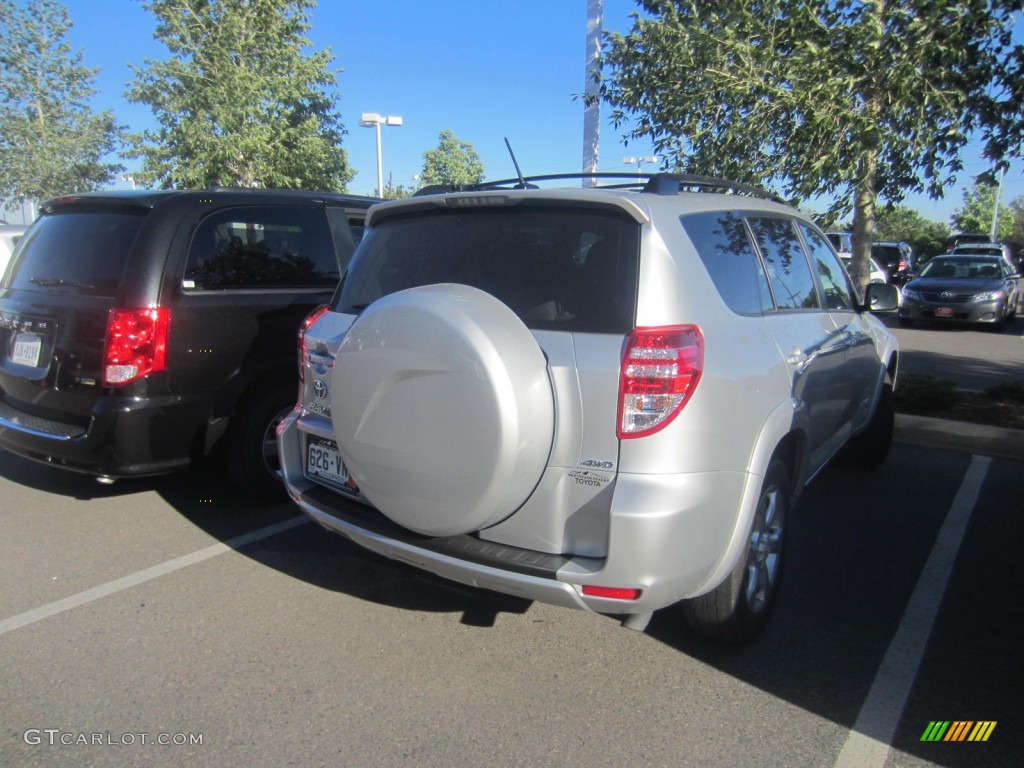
{"x":375,"y":120}
{"x":639,"y":162}
{"x":995,"y":208}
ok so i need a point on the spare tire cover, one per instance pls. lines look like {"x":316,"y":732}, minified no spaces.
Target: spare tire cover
{"x":443,"y":408}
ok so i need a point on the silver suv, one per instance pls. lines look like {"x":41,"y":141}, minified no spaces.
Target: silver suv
{"x":603,"y":398}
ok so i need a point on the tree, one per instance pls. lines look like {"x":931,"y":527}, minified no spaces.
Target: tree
{"x":51,"y":142}
{"x":841,"y":98}
{"x":1017,"y":236}
{"x":975,"y":215}
{"x":901,"y":223}
{"x":454,"y":162}
{"x":397,"y":192}
{"x":238,"y":102}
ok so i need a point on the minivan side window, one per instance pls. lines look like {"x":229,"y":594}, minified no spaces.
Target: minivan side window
{"x":788,"y":271}
{"x":834,"y":284}
{"x":260,"y":248}
{"x":724,"y":245}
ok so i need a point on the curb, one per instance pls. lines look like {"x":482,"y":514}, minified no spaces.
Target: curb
{"x":982,"y":439}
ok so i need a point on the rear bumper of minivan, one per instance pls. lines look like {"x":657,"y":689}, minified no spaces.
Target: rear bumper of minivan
{"x":668,"y":535}
{"x":124,"y":437}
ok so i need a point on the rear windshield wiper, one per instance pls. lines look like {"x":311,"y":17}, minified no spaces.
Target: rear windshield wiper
{"x":56,"y":282}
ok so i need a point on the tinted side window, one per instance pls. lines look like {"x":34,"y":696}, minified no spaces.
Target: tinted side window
{"x":556,"y":267}
{"x":788,"y":272}
{"x":260,"y":247}
{"x":722,"y":241}
{"x":834,"y":284}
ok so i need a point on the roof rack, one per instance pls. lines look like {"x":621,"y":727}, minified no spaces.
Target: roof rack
{"x":653,"y":183}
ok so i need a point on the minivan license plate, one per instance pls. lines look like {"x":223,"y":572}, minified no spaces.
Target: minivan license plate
{"x":27,"y":347}
{"x":323,"y":461}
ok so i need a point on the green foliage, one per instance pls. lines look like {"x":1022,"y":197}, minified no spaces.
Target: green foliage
{"x":975,"y":215}
{"x":903,"y":224}
{"x":397,"y":192}
{"x":51,"y":143}
{"x":923,"y":393}
{"x":238,"y":102}
{"x":838,"y":98}
{"x":453,"y":162}
{"x":1017,"y":211}
{"x":1007,"y":390}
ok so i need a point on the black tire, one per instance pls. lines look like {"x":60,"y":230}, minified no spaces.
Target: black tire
{"x":737,"y":610}
{"x":870,"y":448}
{"x":252,"y":459}
{"x":906,"y":322}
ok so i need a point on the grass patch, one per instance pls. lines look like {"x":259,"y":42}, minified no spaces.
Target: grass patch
{"x":1001,"y":405}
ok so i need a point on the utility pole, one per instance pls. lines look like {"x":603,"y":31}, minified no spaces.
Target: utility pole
{"x":995,"y":207}
{"x":592,"y":103}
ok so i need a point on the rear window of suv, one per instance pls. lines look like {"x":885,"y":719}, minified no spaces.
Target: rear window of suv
{"x":556,"y":267}
{"x":80,"y":252}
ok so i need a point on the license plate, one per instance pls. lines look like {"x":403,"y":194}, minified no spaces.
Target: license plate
{"x":27,"y":347}
{"x":324,"y":462}
{"x":944,"y":312}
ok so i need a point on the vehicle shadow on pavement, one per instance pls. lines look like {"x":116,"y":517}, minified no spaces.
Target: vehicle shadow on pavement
{"x":209,"y":501}
{"x":42,"y":477}
{"x":307,"y":552}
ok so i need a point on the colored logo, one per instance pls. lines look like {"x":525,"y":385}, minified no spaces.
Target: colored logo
{"x":958,"y":730}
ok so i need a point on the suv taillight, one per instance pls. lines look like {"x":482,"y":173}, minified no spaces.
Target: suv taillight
{"x":311,"y":318}
{"x":136,"y":345}
{"x":660,"y":371}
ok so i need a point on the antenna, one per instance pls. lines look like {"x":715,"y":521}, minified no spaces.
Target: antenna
{"x":519,"y":173}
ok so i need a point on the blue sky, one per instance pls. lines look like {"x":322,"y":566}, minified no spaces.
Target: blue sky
{"x":484,"y":69}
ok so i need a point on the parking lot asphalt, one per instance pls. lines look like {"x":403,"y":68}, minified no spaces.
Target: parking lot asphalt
{"x":245,"y":636}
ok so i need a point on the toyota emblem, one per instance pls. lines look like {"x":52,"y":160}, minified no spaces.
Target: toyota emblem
{"x":320,"y":389}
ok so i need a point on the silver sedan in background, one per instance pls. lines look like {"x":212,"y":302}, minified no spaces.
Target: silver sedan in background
{"x":962,"y":289}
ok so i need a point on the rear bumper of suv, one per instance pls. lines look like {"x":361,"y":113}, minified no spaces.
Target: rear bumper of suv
{"x":124,"y":437}
{"x":668,"y":534}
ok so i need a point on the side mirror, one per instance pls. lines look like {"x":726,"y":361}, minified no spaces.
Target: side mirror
{"x":881,"y":297}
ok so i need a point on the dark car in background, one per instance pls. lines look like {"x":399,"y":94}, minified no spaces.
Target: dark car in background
{"x":842,"y":242}
{"x":140,"y":331}
{"x":897,"y":259}
{"x":962,"y":289}
{"x":962,"y":238}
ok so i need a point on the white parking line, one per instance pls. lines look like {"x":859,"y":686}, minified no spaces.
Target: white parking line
{"x":871,"y":736}
{"x":140,"y":577}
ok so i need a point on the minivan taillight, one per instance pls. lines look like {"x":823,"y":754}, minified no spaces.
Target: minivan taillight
{"x":660,"y":371}
{"x":311,"y":318}
{"x":136,"y":345}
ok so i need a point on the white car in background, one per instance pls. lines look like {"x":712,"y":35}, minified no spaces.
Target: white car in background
{"x":877,"y":273}
{"x":10,"y":234}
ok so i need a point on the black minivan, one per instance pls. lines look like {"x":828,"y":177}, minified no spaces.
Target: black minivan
{"x":142,"y":330}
